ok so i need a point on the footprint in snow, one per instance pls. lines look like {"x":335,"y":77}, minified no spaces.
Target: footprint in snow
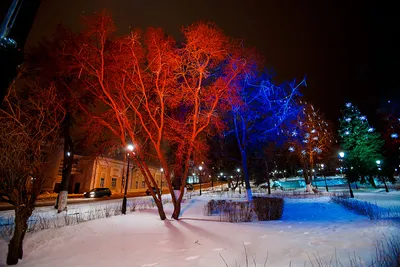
{"x":217,"y":249}
{"x":191,"y":258}
{"x":162,"y":242}
{"x":289,"y":226}
{"x":306,"y":233}
{"x":247,"y":243}
{"x":150,"y":264}
{"x":263,"y":236}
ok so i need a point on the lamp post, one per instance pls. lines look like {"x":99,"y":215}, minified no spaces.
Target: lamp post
{"x":222,"y":178}
{"x":200,"y":168}
{"x":123,"y":209}
{"x":240,"y":186}
{"x":161,"y":182}
{"x":378,"y":163}
{"x":341,"y":157}
{"x":323,"y":173}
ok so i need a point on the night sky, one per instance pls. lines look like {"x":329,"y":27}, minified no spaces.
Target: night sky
{"x":346,"y":48}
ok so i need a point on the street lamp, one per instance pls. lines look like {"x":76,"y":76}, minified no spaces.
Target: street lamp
{"x":378,"y":163}
{"x":341,"y":155}
{"x":200,"y":168}
{"x":240,"y":184}
{"x":123,"y":209}
{"x":161,"y":182}
{"x":323,"y":173}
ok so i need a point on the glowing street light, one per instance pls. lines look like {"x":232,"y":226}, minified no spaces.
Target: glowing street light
{"x":161,"y":181}
{"x":341,"y":155}
{"x":200,"y":168}
{"x":123,"y":209}
{"x":240,"y":184}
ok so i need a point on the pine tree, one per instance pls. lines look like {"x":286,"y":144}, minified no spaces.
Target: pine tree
{"x":362,"y":144}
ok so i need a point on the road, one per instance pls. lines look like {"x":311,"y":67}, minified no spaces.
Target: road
{"x":43,"y":202}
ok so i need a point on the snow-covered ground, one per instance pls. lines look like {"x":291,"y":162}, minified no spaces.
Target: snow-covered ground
{"x":379,"y":197}
{"x":309,"y":227}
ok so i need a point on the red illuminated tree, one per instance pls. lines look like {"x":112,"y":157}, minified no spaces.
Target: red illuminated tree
{"x":310,"y":138}
{"x":156,"y":94}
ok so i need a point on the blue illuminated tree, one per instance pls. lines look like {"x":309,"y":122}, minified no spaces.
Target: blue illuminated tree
{"x":261,"y":109}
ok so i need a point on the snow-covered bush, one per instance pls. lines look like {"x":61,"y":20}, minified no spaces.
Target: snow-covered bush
{"x":238,"y":211}
{"x":215,"y":207}
{"x":360,"y":207}
{"x":268,"y":208}
{"x":230,"y":211}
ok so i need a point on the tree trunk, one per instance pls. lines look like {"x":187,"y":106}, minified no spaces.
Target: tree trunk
{"x":246,"y":175}
{"x":372,"y":181}
{"x":326,"y":184}
{"x":149,"y":182}
{"x":351,"y":191}
{"x":15,"y":247}
{"x":310,"y":175}
{"x":268,"y":178}
{"x":307,"y":180}
{"x":62,"y":198}
{"x":384,"y":182}
{"x":177,"y":211}
{"x":160,"y":209}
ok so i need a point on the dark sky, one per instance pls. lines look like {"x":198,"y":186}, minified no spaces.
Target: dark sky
{"x":345,"y":48}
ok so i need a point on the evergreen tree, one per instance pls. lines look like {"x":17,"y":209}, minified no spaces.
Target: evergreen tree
{"x":362,"y":144}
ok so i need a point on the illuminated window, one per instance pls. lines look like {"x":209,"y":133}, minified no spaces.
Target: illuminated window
{"x":114,"y":182}
{"x":102,"y":182}
{"x":142,"y":184}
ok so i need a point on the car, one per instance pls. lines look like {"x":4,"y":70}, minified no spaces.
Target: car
{"x":189,"y":187}
{"x":154,"y":190}
{"x":98,"y":192}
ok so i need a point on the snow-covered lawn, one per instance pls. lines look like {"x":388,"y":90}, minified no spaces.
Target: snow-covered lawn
{"x":379,"y":197}
{"x":309,"y":227}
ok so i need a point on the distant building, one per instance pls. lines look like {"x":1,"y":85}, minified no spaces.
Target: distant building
{"x":90,"y":172}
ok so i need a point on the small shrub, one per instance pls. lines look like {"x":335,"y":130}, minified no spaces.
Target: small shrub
{"x":215,"y":207}
{"x":268,"y":208}
{"x":108,"y":211}
{"x":360,"y":207}
{"x":132,"y":206}
{"x":238,"y":211}
{"x":67,"y":220}
{"x":387,"y":252}
{"x":230,"y":211}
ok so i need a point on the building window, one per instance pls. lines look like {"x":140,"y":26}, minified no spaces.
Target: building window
{"x":102,"y":182}
{"x":137,"y":184}
{"x":114,"y":182}
{"x":142,"y":184}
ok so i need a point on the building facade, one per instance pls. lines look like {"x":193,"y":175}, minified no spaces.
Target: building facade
{"x":91,"y":172}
